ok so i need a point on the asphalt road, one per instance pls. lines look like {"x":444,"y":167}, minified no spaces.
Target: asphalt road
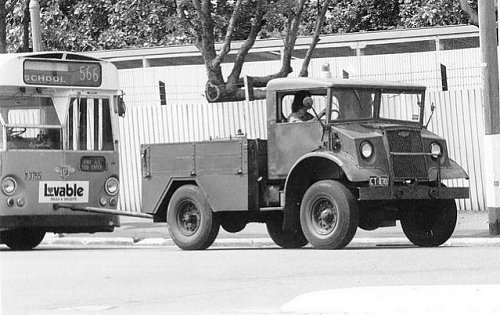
{"x":58,"y":280}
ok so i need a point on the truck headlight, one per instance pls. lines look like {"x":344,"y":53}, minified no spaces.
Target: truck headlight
{"x":366,"y":149}
{"x":9,"y":186}
{"x":112,"y":186}
{"x":435,"y":149}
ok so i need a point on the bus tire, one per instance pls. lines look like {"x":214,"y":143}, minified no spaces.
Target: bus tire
{"x":22,"y":239}
{"x":429,"y":223}
{"x":329,"y":215}
{"x":191,"y":222}
{"x":285,"y":239}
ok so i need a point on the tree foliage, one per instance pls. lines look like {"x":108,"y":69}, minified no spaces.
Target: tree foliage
{"x":431,"y":13}
{"x":83,"y":25}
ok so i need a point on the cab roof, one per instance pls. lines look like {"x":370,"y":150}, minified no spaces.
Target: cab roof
{"x":294,"y":84}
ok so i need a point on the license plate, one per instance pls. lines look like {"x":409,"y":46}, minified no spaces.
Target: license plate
{"x":379,"y":181}
{"x":93,"y":164}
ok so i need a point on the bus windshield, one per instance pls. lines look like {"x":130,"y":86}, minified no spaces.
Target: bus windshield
{"x":29,"y":122}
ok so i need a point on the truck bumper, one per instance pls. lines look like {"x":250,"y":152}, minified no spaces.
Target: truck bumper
{"x":408,"y":193}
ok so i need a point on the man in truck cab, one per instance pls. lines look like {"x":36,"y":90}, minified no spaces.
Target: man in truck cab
{"x":302,"y":102}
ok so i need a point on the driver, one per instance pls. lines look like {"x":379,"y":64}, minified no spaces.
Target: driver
{"x":302,"y":102}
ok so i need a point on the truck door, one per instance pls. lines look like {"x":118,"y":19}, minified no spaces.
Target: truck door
{"x":287,"y":142}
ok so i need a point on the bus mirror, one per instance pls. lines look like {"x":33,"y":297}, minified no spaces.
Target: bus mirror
{"x":122,"y":108}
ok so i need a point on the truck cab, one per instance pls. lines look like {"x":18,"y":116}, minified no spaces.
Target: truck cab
{"x":340,"y":154}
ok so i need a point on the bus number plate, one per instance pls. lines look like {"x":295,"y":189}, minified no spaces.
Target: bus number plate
{"x":32,"y":175}
{"x":379,"y":181}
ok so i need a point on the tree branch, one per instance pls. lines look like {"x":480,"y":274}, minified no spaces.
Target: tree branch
{"x":291,"y":38}
{"x":234,"y":77}
{"x":226,"y":46}
{"x":473,"y":16}
{"x":315,"y":39}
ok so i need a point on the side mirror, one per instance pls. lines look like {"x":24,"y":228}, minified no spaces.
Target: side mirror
{"x":121,"y":107}
{"x":433,"y":107}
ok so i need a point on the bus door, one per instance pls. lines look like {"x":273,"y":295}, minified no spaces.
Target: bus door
{"x":90,"y":155}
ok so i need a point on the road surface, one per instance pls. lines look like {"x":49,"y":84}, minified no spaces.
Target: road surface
{"x":66,"y":280}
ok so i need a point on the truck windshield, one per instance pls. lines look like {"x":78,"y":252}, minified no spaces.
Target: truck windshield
{"x":399,"y":105}
{"x":29,"y":122}
{"x":352,"y":104}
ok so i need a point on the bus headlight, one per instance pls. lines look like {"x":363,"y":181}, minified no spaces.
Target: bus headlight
{"x":112,"y":186}
{"x":435,"y":150}
{"x":366,"y":149}
{"x":9,"y":186}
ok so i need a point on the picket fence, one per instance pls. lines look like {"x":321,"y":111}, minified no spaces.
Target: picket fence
{"x":458,"y":118}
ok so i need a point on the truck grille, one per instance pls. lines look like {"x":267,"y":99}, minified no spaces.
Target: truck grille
{"x":407,"y":166}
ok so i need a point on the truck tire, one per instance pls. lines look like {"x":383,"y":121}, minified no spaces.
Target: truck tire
{"x":22,"y":239}
{"x":285,"y":239}
{"x":191,"y":222}
{"x":429,"y":223}
{"x":329,"y":215}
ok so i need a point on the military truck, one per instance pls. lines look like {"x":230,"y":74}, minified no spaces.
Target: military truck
{"x":365,"y":159}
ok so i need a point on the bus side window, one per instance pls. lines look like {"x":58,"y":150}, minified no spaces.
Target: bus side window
{"x":107,"y":131}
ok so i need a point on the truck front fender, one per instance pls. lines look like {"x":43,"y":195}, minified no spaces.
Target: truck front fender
{"x":313,"y":167}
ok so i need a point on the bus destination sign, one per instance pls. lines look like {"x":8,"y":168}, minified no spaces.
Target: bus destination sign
{"x":62,"y":73}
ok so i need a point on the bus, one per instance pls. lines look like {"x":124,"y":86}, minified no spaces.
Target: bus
{"x":59,"y":115}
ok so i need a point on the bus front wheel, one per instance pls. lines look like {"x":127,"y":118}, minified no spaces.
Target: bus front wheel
{"x":22,"y":239}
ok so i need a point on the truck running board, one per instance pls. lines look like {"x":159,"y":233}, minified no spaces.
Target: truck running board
{"x":103,"y":211}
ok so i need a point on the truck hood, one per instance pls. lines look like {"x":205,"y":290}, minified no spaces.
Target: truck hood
{"x":369,"y":129}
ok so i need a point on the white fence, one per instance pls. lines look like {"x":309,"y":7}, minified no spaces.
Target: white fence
{"x":185,"y":84}
{"x":458,"y":118}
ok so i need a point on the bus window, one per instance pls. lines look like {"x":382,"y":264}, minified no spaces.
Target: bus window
{"x":30,"y":123}
{"x":89,"y":125}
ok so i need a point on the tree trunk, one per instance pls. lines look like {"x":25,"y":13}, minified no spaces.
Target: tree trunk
{"x":196,"y":17}
{"x":3,"y":27}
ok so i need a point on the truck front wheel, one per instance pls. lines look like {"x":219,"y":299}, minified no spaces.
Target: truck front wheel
{"x":429,"y":223}
{"x":22,"y":239}
{"x":329,"y":215}
{"x":192,"y":223}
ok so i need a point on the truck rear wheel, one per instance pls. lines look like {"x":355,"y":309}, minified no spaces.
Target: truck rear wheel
{"x":329,"y":215}
{"x":429,"y":223}
{"x":192,"y":223}
{"x":285,"y":239}
{"x":22,"y":239}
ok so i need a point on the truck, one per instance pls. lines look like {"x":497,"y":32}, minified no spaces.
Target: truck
{"x":366,"y":159}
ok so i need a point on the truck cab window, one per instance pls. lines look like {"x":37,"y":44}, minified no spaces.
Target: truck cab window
{"x":287,"y":107}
